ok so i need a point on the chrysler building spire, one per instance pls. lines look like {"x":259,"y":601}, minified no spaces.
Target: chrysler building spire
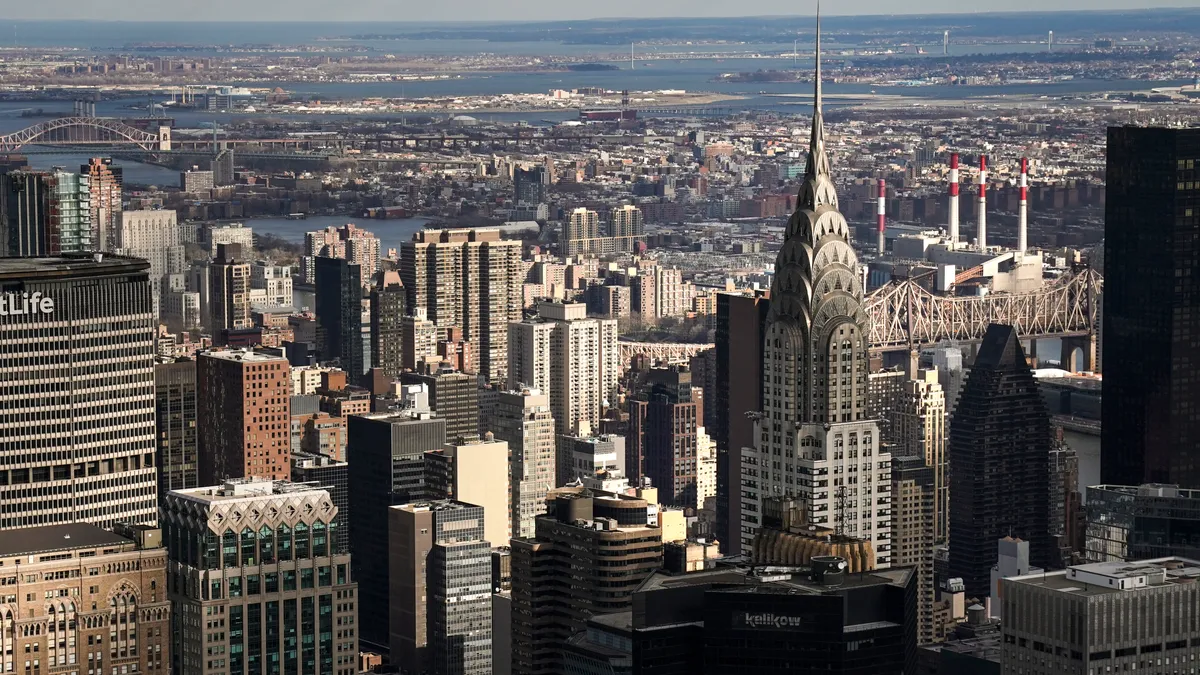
{"x":818,"y":186}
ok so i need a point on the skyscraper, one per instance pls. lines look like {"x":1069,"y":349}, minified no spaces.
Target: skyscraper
{"x":94,"y":326}
{"x":920,"y":430}
{"x":470,"y":279}
{"x":45,"y":213}
{"x":474,"y":471}
{"x":334,"y":477}
{"x":229,"y":289}
{"x":568,"y":572}
{"x":1151,"y":308}
{"x":1101,"y":618}
{"x":662,"y":441}
{"x":261,"y":560}
{"x":154,"y":237}
{"x":523,"y":420}
{"x":386,"y":454}
{"x":999,"y":454}
{"x":439,"y":589}
{"x":739,"y":390}
{"x":339,"y":314}
{"x":69,"y":213}
{"x":913,"y":492}
{"x":105,"y":182}
{"x":418,"y":339}
{"x":581,"y":232}
{"x":454,"y":396}
{"x":387,"y":323}
{"x":814,"y":431}
{"x":569,"y":356}
{"x":529,"y":185}
{"x":175,"y":418}
{"x":244,"y":415}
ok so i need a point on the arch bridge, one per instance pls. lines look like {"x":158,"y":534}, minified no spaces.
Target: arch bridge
{"x":84,"y":131}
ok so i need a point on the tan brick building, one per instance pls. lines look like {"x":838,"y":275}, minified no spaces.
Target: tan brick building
{"x":76,"y":599}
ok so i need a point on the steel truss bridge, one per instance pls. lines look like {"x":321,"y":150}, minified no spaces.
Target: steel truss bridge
{"x":84,"y":131}
{"x":668,"y":352}
{"x":906,"y":317}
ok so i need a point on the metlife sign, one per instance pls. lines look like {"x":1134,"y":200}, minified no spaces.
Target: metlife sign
{"x":769,"y":621}
{"x":16,"y":304}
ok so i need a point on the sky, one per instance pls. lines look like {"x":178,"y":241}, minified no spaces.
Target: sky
{"x":497,"y":10}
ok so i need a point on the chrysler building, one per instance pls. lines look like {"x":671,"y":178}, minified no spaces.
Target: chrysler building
{"x":814,"y":440}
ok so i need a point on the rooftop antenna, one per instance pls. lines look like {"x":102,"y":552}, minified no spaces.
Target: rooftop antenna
{"x":631,"y":56}
{"x":796,"y":53}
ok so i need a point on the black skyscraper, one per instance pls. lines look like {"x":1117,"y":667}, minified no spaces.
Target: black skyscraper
{"x":999,"y":463}
{"x":339,"y":314}
{"x":386,"y":457}
{"x":1151,"y":406}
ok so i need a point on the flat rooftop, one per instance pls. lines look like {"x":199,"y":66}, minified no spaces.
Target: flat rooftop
{"x":793,"y":580}
{"x":246,"y":489}
{"x":1106,"y":578}
{"x":69,"y":266}
{"x":243,"y":355}
{"x":437,"y":505}
{"x":51,"y":538}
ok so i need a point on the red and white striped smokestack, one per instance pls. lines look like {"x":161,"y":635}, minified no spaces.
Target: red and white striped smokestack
{"x":881,"y":212}
{"x":982,"y":236}
{"x":953,"y":209}
{"x":1023,"y":207}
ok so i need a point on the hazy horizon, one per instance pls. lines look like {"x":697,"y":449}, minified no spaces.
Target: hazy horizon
{"x":218,"y":11}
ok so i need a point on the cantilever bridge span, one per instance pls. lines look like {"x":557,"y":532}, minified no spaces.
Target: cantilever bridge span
{"x":906,"y":317}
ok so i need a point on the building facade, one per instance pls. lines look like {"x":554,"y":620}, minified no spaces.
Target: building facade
{"x":75,"y":446}
{"x":244,"y":415}
{"x":563,"y":575}
{"x":454,"y":396}
{"x":86,"y":596}
{"x":339,"y":314}
{"x":469,"y":279}
{"x":1151,"y":319}
{"x":999,"y":455}
{"x":474,"y":471}
{"x":176,"y":417}
{"x":914,"y":491}
{"x":388,"y":311}
{"x":272,"y":283}
{"x":524,"y":421}
{"x":254,"y":583}
{"x":386,"y":454}
{"x":154,"y":237}
{"x":1137,"y":522}
{"x":105,"y":182}
{"x":333,"y":476}
{"x":663,"y":436}
{"x":919,"y":427}
{"x":440,"y":589}
{"x":229,"y":289}
{"x":1102,"y":618}
{"x":738,"y":390}
{"x":571,"y":357}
